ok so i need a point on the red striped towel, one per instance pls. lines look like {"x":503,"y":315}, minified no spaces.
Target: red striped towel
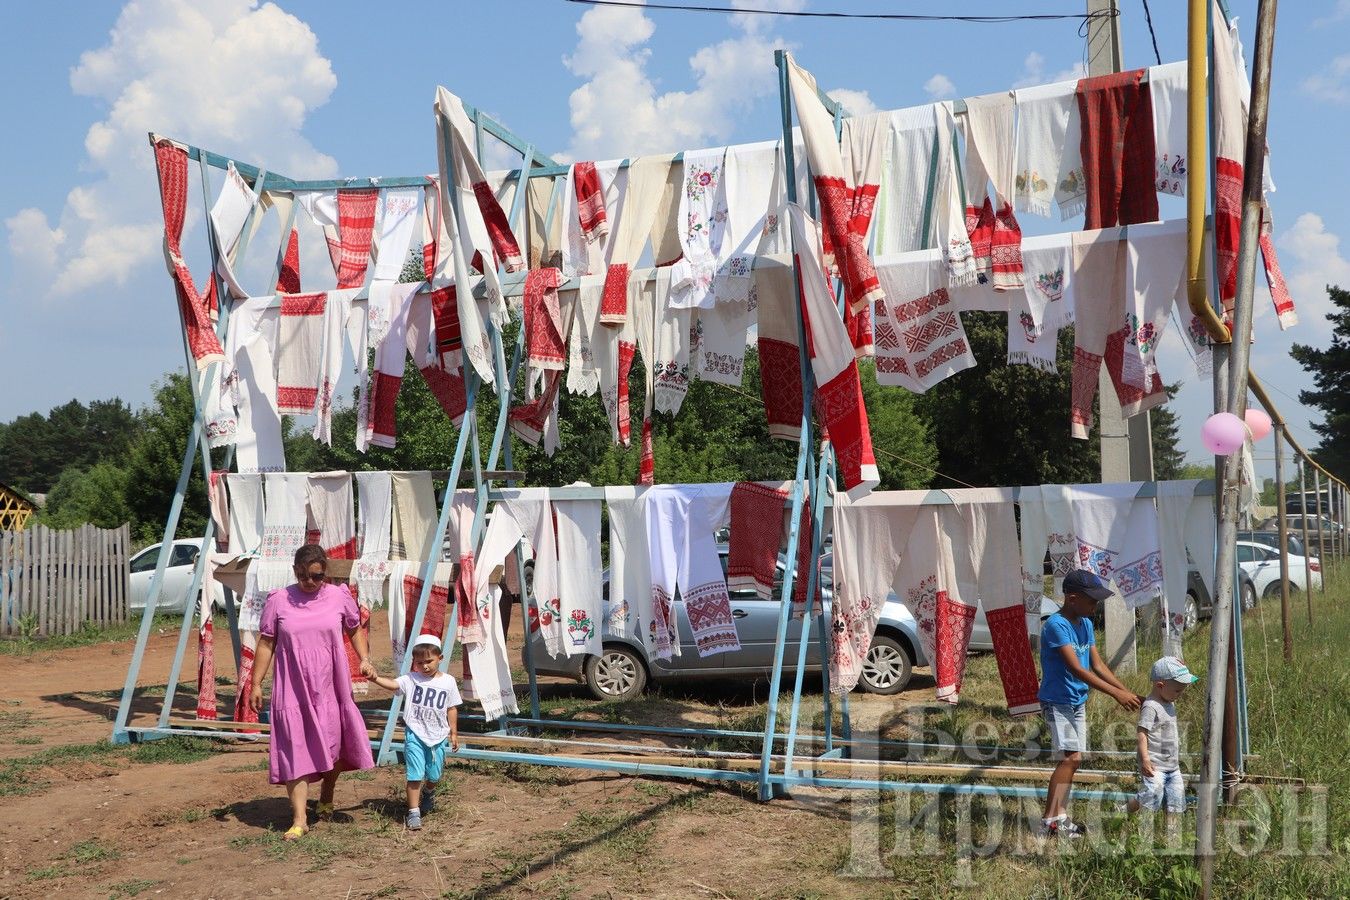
{"x":445,"y":315}
{"x":590,"y":201}
{"x":299,"y":352}
{"x":356,"y":223}
{"x":288,"y":279}
{"x":1118,"y":149}
{"x":545,"y":343}
{"x":171,"y":162}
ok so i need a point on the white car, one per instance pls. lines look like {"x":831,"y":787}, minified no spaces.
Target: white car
{"x":173,"y":595}
{"x":1262,"y":563}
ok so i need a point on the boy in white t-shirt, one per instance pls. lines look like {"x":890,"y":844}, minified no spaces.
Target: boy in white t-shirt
{"x":430,"y":715}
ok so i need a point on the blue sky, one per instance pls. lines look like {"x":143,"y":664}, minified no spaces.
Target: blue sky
{"x":319,"y":89}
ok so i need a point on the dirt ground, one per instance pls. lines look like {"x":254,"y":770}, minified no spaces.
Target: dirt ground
{"x":94,"y":821}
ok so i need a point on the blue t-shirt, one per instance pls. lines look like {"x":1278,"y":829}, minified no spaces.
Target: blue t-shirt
{"x":1058,"y":684}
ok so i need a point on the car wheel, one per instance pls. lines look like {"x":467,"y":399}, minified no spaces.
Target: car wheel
{"x":616,"y":674}
{"x":887,"y":668}
{"x":1248,"y":596}
{"x":1192,"y":612}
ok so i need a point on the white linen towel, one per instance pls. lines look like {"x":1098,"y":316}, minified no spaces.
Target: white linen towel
{"x":374,"y":494}
{"x":630,"y":575}
{"x":415,"y":517}
{"x":907,"y":174}
{"x":1167,"y":85}
{"x":579,"y":580}
{"x":681,"y":522}
{"x":246,"y":513}
{"x":1042,"y":122}
{"x":532,"y":511}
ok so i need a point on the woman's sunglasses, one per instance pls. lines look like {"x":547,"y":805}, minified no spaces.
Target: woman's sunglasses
{"x":310,"y":576}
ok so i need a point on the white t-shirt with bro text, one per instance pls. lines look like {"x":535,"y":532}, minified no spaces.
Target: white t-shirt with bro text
{"x":427,"y":703}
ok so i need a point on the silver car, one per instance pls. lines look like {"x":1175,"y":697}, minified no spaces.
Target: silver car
{"x":625,"y":666}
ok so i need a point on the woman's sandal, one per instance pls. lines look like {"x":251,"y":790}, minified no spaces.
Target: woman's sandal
{"x":294,"y":833}
{"x":324,"y":811}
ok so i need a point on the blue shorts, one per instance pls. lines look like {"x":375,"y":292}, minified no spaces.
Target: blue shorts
{"x":422,"y":762}
{"x":1162,"y":787}
{"x":1067,"y":726}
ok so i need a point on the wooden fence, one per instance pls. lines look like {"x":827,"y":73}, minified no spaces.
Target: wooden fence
{"x":53,"y":582}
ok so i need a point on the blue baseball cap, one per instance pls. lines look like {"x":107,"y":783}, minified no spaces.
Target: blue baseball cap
{"x":1169,"y":668}
{"x":1081,"y":581}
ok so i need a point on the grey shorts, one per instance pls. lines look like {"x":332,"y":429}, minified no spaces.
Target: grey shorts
{"x":1068,"y":727}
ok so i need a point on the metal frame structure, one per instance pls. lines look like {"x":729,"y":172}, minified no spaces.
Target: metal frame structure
{"x":775,"y":772}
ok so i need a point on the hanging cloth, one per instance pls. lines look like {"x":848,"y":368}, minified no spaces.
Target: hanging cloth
{"x":1118,"y":149}
{"x":681,"y":522}
{"x":171,"y":162}
{"x":1174,"y":505}
{"x":838,"y":397}
{"x":630,"y":576}
{"x":300,"y":337}
{"x":583,"y":252}
{"x":374,"y":492}
{"x":414,"y":520}
{"x":863,"y":151}
{"x":1140,"y":576}
{"x":1167,"y":94}
{"x":405,"y":589}
{"x":1154,"y":278}
{"x":667,"y":355}
{"x":846,"y":201}
{"x":756,"y":526}
{"x":258,"y":442}
{"x":931,"y":340}
{"x":332,"y":521}
{"x":542,"y":237}
{"x":356,"y":225}
{"x":870,"y":537}
{"x":1045,"y":305}
{"x":424,"y":340}
{"x":927,"y":584}
{"x":703,"y":216}
{"x":614,"y":361}
{"x":246,"y":513}
{"x":534,"y":513}
{"x":990,"y":157}
{"x":229,"y":214}
{"x":487,"y":658}
{"x":949,"y":204}
{"x":547,"y":325}
{"x":1033,"y":539}
{"x":336,"y":313}
{"x":583,"y":375}
{"x":1042,"y":129}
{"x":579,"y":580}
{"x":908,"y":182}
{"x":645,"y":183}
{"x":748,"y":176}
{"x":400,"y":208}
{"x":378,"y":412}
{"x":780,"y":365}
{"x":1100,"y":521}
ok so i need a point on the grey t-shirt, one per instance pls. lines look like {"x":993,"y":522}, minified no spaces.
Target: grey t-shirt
{"x":1160,"y":721}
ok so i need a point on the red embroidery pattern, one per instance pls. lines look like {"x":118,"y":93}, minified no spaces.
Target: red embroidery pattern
{"x":499,"y":230}
{"x":954,"y":622}
{"x":839,"y":406}
{"x":206,"y":672}
{"x":448,"y":389}
{"x":445,"y":316}
{"x":614,"y":299}
{"x":288,"y":278}
{"x":1085,"y":368}
{"x":383,"y":399}
{"x":1118,"y":149}
{"x":590,"y":200}
{"x":242,"y":711}
{"x":171,"y":162}
{"x":756,"y":532}
{"x":626,"y":351}
{"x":433,"y":622}
{"x":543,"y":319}
{"x":356,"y":222}
{"x":780,"y":376}
{"x":1279,"y":291}
{"x":944,"y":354}
{"x":709,"y":611}
{"x":842,"y":211}
{"x":1012,"y":652}
{"x":298,"y":401}
{"x":1227,"y":228}
{"x":922,"y":336}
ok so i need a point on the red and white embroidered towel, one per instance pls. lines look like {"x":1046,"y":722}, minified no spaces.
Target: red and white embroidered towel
{"x":356,"y":226}
{"x":927,"y":327}
{"x":426,"y":332}
{"x":614,"y":361}
{"x":288,"y":276}
{"x":838,"y":398}
{"x":1118,"y":149}
{"x":949,"y":204}
{"x":583,"y":374}
{"x":531,"y":509}
{"x":579,"y":568}
{"x":643,"y":183}
{"x":591,"y":214}
{"x":908,"y":173}
{"x":405,"y":590}
{"x":1045,"y":305}
{"x":756,"y":530}
{"x":780,"y":367}
{"x":1154,"y":277}
{"x":990,"y":157}
{"x":1100,"y":523}
{"x":1042,"y":128}
{"x":300,"y":337}
{"x":579,"y":254}
{"x":171,"y":163}
{"x":702,"y":217}
{"x":870,"y":537}
{"x":681,"y":522}
{"x":668,"y":350}
{"x":398,"y":218}
{"x":544,"y":342}
{"x":1139,"y":574}
{"x":380,"y":420}
{"x":863,"y":150}
{"x":630,"y":576}
{"x":1167,"y":94}
{"x":331,"y":513}
{"x":845,"y":200}
{"x":927,"y":584}
{"x":984,"y":542}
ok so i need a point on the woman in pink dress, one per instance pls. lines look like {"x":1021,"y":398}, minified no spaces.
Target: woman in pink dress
{"x":317,"y":729}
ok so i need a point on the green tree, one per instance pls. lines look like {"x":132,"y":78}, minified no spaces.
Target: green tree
{"x":997,"y":425}
{"x":1165,"y":431}
{"x":97,"y":495}
{"x":1196,"y":470}
{"x":1330,"y":369}
{"x":35,"y":449}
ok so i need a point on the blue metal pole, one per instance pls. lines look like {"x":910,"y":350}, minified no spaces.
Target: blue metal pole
{"x":804,"y":641}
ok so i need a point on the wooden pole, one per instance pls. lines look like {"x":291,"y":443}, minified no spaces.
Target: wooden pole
{"x":1321,"y":537}
{"x":1283,"y":543}
{"x":1307,"y":549}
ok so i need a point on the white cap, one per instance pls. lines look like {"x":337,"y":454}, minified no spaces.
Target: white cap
{"x":427,"y":640}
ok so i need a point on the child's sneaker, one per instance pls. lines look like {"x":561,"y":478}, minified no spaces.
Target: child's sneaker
{"x":414,"y":820}
{"x":1064,"y":828}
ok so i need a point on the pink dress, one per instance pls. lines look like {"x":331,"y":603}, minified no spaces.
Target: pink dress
{"x":316,"y":726}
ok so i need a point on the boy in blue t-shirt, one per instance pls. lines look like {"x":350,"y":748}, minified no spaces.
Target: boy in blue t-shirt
{"x":1070,"y":664}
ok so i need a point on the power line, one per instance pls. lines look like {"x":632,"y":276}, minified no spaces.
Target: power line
{"x":893,"y":17}
{"x":1148,"y":17}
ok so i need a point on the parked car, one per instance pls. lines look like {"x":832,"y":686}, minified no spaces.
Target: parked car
{"x":1262,"y":563}
{"x":173,"y":595}
{"x":625,"y":667}
{"x":1295,"y":523}
{"x":1271,"y":539}
{"x":1199,"y":604}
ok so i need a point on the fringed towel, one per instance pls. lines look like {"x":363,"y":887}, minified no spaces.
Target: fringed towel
{"x":356,"y":225}
{"x":583,"y":376}
{"x":990,"y":148}
{"x":332,"y":521}
{"x":1045,"y":305}
{"x":1118,"y":149}
{"x":1154,"y":278}
{"x":488,"y":660}
{"x":1167,"y":94}
{"x":374,"y":492}
{"x":534,"y":514}
{"x":645,"y":181}
{"x":579,"y":581}
{"x":838,"y":399}
{"x":908,"y":174}
{"x":756,"y":526}
{"x":949,"y":204}
{"x":780,"y":366}
{"x":863,"y":149}
{"x":931,"y":340}
{"x":1042,"y":129}
{"x":846,"y":200}
{"x":171,"y":162}
{"x":681,"y":521}
{"x":703,"y":218}
{"x":630,"y":574}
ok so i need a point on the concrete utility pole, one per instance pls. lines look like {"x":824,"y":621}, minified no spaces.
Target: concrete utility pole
{"x":1126,"y":446}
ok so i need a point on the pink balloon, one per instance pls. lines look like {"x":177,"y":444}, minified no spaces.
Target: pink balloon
{"x":1259,"y":423}
{"x":1223,"y":433}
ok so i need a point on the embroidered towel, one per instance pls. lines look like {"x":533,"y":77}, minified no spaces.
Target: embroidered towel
{"x":1154,"y":278}
{"x":488,"y":661}
{"x":780,"y":367}
{"x":668,"y":371}
{"x":583,"y":374}
{"x":228,"y":216}
{"x":1034,"y":538}
{"x":645,"y":180}
{"x":990,"y":148}
{"x":927,"y":584}
{"x":838,"y":399}
{"x":908,"y":174}
{"x":579,"y":568}
{"x":1071,"y":184}
{"x":407,"y":578}
{"x":1042,"y":127}
{"x":1174,"y":505}
{"x":870,"y":537}
{"x":591,"y":214}
{"x":630,"y":575}
{"x":356,"y":224}
{"x":983,"y":530}
{"x":233,"y":398}
{"x":846,"y":200}
{"x":288,"y":276}
{"x":414,"y":520}
{"x":374,"y":492}
{"x":748,"y":178}
{"x":391,"y":353}
{"x":614,"y":360}
{"x":952,"y":235}
{"x":1167,"y":94}
{"x":681,"y":522}
{"x":863,"y":150}
{"x":337,"y":310}
{"x":445,"y":384}
{"x":1045,"y":305}
{"x":703,"y":218}
{"x":533,"y":512}
{"x":1139,"y":574}
{"x":717,"y":341}
{"x":300,"y":337}
{"x":331,"y":513}
{"x":583,"y":252}
{"x":218,"y":498}
{"x":1100,"y":523}
{"x":932,"y":341}
{"x":756,"y":526}
{"x":1118,"y":149}
{"x":543,"y":320}
{"x":171,"y":164}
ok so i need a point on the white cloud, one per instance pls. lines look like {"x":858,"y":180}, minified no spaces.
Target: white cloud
{"x":1312,"y":260}
{"x":1033,"y":72}
{"x":858,"y":103}
{"x":1332,"y":83}
{"x":233,"y":76}
{"x":1340,"y":13}
{"x":940,"y":87}
{"x":618,"y":111}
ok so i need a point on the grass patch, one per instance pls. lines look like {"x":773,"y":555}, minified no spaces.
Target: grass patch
{"x":46,"y":872}
{"x":91,"y":851}
{"x":176,"y":749}
{"x":89,"y":633}
{"x":21,"y":775}
{"x":131,"y":888}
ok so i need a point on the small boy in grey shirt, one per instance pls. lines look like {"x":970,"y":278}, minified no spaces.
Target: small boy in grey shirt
{"x":1159,"y":750}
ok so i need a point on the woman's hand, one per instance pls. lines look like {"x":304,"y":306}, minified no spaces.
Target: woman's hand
{"x":368,"y":668}
{"x":255,"y":697}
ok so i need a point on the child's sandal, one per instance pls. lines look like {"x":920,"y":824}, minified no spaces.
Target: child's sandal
{"x":294,"y":833}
